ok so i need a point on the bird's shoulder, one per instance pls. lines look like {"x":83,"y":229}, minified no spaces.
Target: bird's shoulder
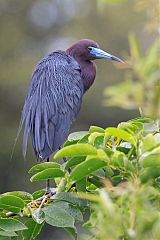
{"x":59,"y":59}
{"x":58,"y":70}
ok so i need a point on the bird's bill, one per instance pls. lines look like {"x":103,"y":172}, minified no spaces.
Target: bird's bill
{"x":102,"y":54}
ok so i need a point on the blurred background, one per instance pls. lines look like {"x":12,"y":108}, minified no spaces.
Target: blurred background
{"x":31,"y":29}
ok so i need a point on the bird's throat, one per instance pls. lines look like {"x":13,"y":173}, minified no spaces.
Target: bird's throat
{"x":88,"y":73}
{"x":88,"y":68}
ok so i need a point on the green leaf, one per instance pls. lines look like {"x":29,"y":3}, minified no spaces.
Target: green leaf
{"x":151,"y":127}
{"x":118,"y":159}
{"x":78,"y":149}
{"x":77,"y":135}
{"x":11,"y":203}
{"x":74,"y":161}
{"x":92,"y":222}
{"x":150,"y":142}
{"x":5,"y":238}
{"x":108,"y":171}
{"x":38,"y":193}
{"x":50,"y":173}
{"x":42,"y":166}
{"x":99,"y":173}
{"x":149,"y":173}
{"x":96,"y":139}
{"x":131,"y":127}
{"x":58,"y":217}
{"x":86,"y":168}
{"x":11,"y":225}
{"x":134,"y":47}
{"x":116,"y":179}
{"x":7,"y":234}
{"x":84,"y":139}
{"x":99,"y":142}
{"x":33,"y":230}
{"x":14,"y":238}
{"x":81,"y":185}
{"x":93,"y":129}
{"x":72,"y":231}
{"x":25,"y":196}
{"x":96,"y":181}
{"x":121,"y":134}
{"x":69,"y":143}
{"x":153,"y":160}
{"x":38,"y":216}
{"x":70,"y":197}
{"x":72,"y":210}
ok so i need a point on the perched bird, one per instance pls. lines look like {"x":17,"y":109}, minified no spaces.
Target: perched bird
{"x":55,"y":93}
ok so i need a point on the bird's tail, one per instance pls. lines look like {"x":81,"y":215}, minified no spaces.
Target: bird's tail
{"x":16,"y":139}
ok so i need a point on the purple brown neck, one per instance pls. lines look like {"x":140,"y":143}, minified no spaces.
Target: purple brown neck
{"x":88,"y":68}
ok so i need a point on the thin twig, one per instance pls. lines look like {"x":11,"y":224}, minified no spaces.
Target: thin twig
{"x":40,"y":200}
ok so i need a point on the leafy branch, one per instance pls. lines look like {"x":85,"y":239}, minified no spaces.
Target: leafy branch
{"x":99,"y":160}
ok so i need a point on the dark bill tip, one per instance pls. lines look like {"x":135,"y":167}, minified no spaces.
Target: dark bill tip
{"x":114,"y":58}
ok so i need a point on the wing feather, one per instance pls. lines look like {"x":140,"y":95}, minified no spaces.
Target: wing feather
{"x":52,"y":102}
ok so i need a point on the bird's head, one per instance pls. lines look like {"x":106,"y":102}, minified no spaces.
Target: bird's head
{"x":89,"y":50}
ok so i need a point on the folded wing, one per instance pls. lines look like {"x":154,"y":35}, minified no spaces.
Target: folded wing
{"x":52,"y":102}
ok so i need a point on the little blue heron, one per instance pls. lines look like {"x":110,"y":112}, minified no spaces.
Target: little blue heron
{"x":55,"y":93}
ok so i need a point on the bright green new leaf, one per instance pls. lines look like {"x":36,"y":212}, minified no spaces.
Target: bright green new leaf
{"x":77,"y":135}
{"x":152,"y":160}
{"x":118,"y":159}
{"x":11,"y":225}
{"x":84,"y":139}
{"x":49,"y":173}
{"x":121,"y":134}
{"x":11,"y":203}
{"x":78,"y":149}
{"x":33,"y":230}
{"x":93,"y":129}
{"x":86,"y":168}
{"x":102,"y":154}
{"x":150,"y":142}
{"x":58,"y":217}
{"x":69,"y":143}
{"x":96,"y":139}
{"x":42,"y":166}
{"x":74,"y":161}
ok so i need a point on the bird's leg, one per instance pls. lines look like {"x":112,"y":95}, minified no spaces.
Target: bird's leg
{"x":47,"y":182}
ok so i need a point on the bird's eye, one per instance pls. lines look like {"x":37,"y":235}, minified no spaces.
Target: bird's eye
{"x":89,"y":48}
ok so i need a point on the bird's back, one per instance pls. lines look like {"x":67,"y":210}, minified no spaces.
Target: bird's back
{"x":52,"y":102}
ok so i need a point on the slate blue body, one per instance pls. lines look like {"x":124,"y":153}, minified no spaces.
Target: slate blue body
{"x":55,"y":93}
{"x":52,"y":102}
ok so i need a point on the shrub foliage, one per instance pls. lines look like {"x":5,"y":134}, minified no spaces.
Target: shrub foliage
{"x":112,"y":172}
